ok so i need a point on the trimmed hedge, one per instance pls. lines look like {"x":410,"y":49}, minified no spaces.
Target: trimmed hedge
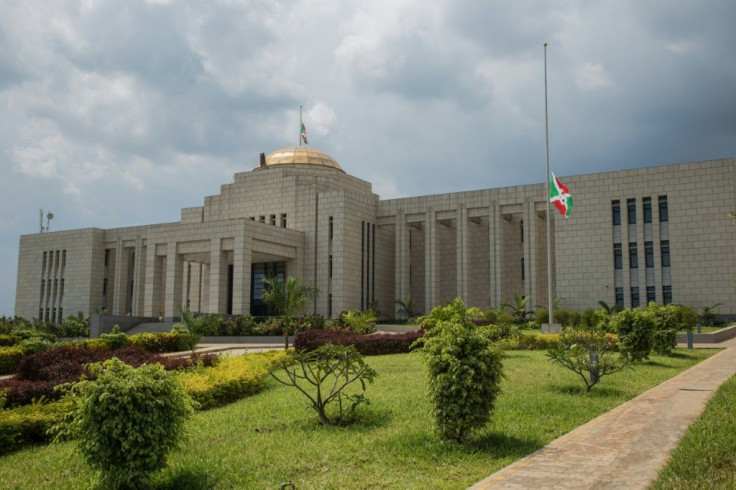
{"x":368,"y":345}
{"x":10,"y":357}
{"x":29,"y":424}
{"x":531,"y":341}
{"x":233,"y":378}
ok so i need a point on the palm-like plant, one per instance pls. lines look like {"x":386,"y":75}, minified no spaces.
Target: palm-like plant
{"x":518,"y":308}
{"x":611,"y":310}
{"x":287,"y":299}
{"x":406,"y":308}
{"x":708,"y":315}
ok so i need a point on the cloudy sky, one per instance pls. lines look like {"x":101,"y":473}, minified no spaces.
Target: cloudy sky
{"x":121,"y":113}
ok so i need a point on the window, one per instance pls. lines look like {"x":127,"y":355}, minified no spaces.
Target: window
{"x":635,"y":297}
{"x":522,"y":268}
{"x":521,"y":227}
{"x":332,"y":228}
{"x":616,"y":208}
{"x":283,"y":220}
{"x":631,"y":208}
{"x":620,"y":297}
{"x":650,"y":294}
{"x":649,"y":254}
{"x":647,"y":202}
{"x":633,"y":256}
{"x":330,"y":268}
{"x":252,"y":218}
{"x":272,"y":219}
{"x":665,"y":246}
{"x":262,"y":219}
{"x":617,"y":257}
{"x":663,"y":213}
{"x":666,"y":294}
{"x":329,"y":305}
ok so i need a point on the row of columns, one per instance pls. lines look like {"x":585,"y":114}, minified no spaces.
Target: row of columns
{"x":462,"y":256}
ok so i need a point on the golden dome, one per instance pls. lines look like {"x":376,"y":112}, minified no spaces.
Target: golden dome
{"x":302,"y":155}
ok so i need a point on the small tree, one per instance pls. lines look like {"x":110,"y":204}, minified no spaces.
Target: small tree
{"x":360,"y":322}
{"x":287,"y":299}
{"x":635,"y":329}
{"x":465,"y":372}
{"x":126,"y":420}
{"x":518,"y":308}
{"x":590,"y":353}
{"x":329,"y":369}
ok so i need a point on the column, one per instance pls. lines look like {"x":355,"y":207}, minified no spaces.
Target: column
{"x":530,"y":253}
{"x":174,"y":283}
{"x":204,"y":292}
{"x":217,"y":278}
{"x":120,"y":279}
{"x":430,"y":260}
{"x":242,"y":259}
{"x":494,"y":242}
{"x":462,"y":252}
{"x":139,"y":278}
{"x":154,"y":275}
{"x":401,"y":259}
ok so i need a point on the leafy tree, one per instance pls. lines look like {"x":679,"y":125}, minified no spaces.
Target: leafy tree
{"x":287,"y":299}
{"x":126,"y":420}
{"x":590,"y":353}
{"x":329,"y":369}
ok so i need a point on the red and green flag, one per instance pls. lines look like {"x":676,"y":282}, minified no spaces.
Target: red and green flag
{"x":304,"y":134}
{"x":559,"y":195}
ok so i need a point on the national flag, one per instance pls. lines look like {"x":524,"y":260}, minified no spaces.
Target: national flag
{"x":560,"y":196}
{"x":304,"y":134}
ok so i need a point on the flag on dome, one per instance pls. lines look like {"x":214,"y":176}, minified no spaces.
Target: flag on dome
{"x":304,"y":134}
{"x":559,"y":195}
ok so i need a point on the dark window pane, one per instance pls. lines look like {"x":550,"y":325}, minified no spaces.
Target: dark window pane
{"x":616,"y":208}
{"x":649,"y":254}
{"x":647,"y":209}
{"x":665,"y":253}
{"x":633,"y":256}
{"x":667,"y":294}
{"x":663,"y":212}
{"x":650,"y":294}
{"x":620,"y":297}
{"x":631,"y":206}
{"x":617,"y":256}
{"x":634,"y":297}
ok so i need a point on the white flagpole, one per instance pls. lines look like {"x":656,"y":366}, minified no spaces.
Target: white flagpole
{"x":300,"y":125}
{"x":549,"y":237}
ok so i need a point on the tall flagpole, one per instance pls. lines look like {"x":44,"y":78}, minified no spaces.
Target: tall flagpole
{"x":300,"y":126}
{"x":549,"y":236}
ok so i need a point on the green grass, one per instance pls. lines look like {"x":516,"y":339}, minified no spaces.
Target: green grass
{"x":273,"y":437}
{"x":706,"y":456}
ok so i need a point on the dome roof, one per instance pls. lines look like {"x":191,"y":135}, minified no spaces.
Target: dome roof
{"x":302,"y":155}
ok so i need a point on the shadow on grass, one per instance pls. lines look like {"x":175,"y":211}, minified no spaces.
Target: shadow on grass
{"x":597,"y":391}
{"x":179,"y":478}
{"x":500,"y":445}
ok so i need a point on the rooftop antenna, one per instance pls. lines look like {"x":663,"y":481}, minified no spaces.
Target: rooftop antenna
{"x":49,"y":217}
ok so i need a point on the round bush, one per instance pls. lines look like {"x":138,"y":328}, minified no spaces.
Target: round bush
{"x":127,"y":420}
{"x":635,"y":329}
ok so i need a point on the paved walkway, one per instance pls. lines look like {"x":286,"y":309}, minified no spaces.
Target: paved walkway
{"x":626,"y":447}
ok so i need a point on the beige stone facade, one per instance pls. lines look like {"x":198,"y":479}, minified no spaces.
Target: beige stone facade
{"x":659,"y":233}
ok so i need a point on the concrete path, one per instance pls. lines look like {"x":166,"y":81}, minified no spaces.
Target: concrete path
{"x":626,"y":447}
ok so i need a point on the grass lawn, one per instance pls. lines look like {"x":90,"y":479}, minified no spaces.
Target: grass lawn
{"x":706,"y":456}
{"x":273,"y":437}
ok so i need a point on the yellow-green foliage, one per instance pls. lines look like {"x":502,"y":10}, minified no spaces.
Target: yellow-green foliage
{"x":232,"y":378}
{"x":9,"y":359}
{"x":531,"y":341}
{"x":29,"y":424}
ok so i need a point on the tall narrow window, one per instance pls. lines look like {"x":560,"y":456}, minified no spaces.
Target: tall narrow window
{"x":616,"y":209}
{"x":330,"y":271}
{"x":647,"y":203}
{"x":521,"y":228}
{"x":617,"y":256}
{"x":283,"y":220}
{"x":620,"y":297}
{"x":332,"y":228}
{"x":631,"y":209}
{"x":665,"y":247}
{"x":272,"y":219}
{"x":635,"y":297}
{"x":649,"y":254}
{"x":262,"y":219}
{"x":663,"y":212}
{"x":522,"y":268}
{"x":650,"y":294}
{"x":633,"y":256}
{"x":666,"y":294}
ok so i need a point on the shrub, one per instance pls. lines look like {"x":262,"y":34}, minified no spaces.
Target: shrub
{"x":496,"y":333}
{"x":115,"y":339}
{"x":360,"y":322}
{"x":464,"y":375}
{"x":535,"y":341}
{"x":313,"y":321}
{"x":19,"y":392}
{"x":231,"y":379}
{"x":29,"y":424}
{"x":669,"y":320}
{"x":127,"y":420}
{"x":591,"y":354}
{"x":330,"y":369}
{"x":452,"y":311}
{"x":9,"y":340}
{"x":635,"y":329}
{"x":368,"y":345}
{"x":34,"y":344}
{"x":10,"y":357}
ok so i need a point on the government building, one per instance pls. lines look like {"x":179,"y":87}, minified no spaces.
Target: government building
{"x":651,"y":234}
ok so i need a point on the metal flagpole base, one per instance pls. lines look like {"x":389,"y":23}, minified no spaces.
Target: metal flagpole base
{"x":551,"y":328}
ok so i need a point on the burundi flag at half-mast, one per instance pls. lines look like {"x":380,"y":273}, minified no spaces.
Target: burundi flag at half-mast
{"x":559,"y":195}
{"x":304,"y":134}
